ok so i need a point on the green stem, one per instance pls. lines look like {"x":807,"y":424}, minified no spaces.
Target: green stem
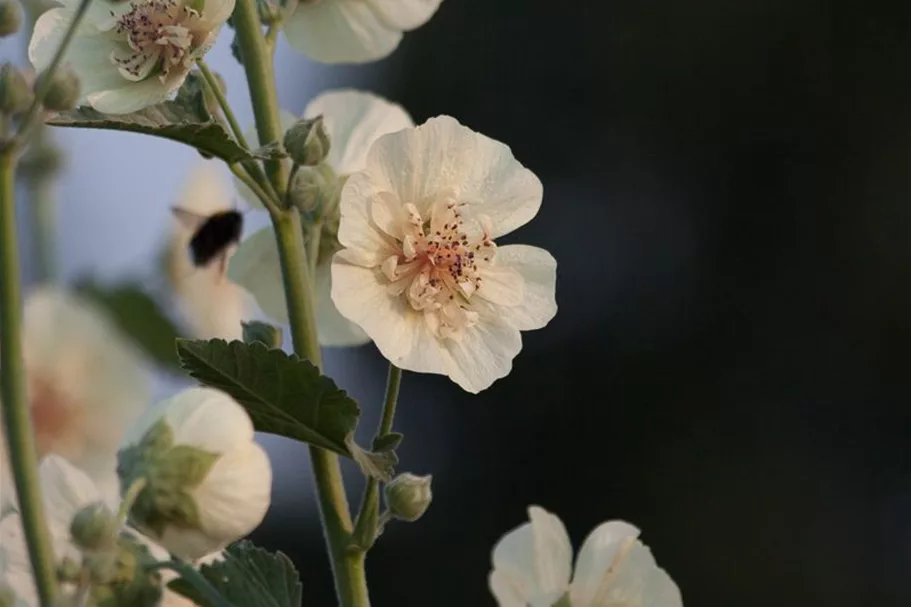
{"x":20,"y":436}
{"x":212,"y":82}
{"x":254,"y":186}
{"x":347,"y":567}
{"x":44,"y":206}
{"x":189,"y":574}
{"x":129,"y":499}
{"x":315,"y":233}
{"x":261,"y":81}
{"x":367,"y":521}
{"x":32,"y":115}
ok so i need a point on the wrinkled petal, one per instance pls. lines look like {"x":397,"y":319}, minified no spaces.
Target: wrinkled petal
{"x":357,"y":230}
{"x":334,"y":329}
{"x":442,"y":155}
{"x":505,"y":591}
{"x":256,"y":267}
{"x":614,"y":567}
{"x":531,"y":305}
{"x":131,"y":97}
{"x":354,"y":120}
{"x":215,"y":13}
{"x":534,"y":560}
{"x":484,"y":353}
{"x":406,"y":14}
{"x":340,"y":31}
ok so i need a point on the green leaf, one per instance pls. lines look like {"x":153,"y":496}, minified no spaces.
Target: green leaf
{"x":139,"y":317}
{"x":388,"y":442}
{"x":285,"y":395}
{"x":185,"y":119}
{"x":271,"y":151}
{"x":248,"y":577}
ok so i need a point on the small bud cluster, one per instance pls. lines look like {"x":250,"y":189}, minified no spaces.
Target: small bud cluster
{"x":62,"y":92}
{"x":307,"y":141}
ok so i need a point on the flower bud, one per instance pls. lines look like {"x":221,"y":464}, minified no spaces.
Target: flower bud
{"x":15,"y":94}
{"x":69,"y":570}
{"x":124,"y":576}
{"x":63,"y":93}
{"x":207,"y":483}
{"x":307,"y":141}
{"x":94,"y":527}
{"x":10,"y":17}
{"x":269,"y":12}
{"x":313,"y":189}
{"x":408,"y":496}
{"x":262,"y":332}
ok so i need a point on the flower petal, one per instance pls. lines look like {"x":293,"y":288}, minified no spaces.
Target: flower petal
{"x":614,"y":567}
{"x":256,"y":267}
{"x":534,"y":560}
{"x":484,"y":353}
{"x":507,"y":592}
{"x":214,"y":13}
{"x":406,"y":14}
{"x":538,"y":271}
{"x":354,"y":120}
{"x":357,"y":229}
{"x":334,"y":329}
{"x":441,"y":156}
{"x":338,"y":31}
{"x":132,"y":96}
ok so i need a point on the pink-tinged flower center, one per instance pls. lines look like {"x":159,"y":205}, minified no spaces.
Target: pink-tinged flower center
{"x":56,"y":420}
{"x":438,"y":266}
{"x":158,"y":37}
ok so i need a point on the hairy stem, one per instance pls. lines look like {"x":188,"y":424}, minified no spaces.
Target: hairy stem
{"x":17,"y":421}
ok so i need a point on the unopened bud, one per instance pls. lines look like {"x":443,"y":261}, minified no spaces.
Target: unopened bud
{"x":63,"y":92}
{"x":269,"y":13}
{"x":307,"y":141}
{"x":68,"y":570}
{"x":124,"y":576}
{"x":15,"y":94}
{"x":10,"y":17}
{"x":263,"y":332}
{"x":408,"y":496}
{"x":313,"y":189}
{"x":94,"y":527}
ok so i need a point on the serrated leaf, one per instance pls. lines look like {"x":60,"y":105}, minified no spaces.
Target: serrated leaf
{"x":388,"y":442}
{"x":271,"y":151}
{"x":285,"y":395}
{"x":139,"y":317}
{"x":185,"y":120}
{"x":248,"y":576}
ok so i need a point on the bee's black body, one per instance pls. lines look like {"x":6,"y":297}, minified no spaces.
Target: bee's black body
{"x":217,"y":233}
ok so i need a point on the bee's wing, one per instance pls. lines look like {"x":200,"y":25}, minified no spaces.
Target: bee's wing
{"x":191,"y":221}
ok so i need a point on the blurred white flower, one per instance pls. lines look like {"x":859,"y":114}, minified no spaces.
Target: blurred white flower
{"x":207,"y":482}
{"x":532,"y":565}
{"x":65,"y":490}
{"x":86,"y":384}
{"x":354,"y":120}
{"x":420,"y":272}
{"x":211,"y":304}
{"x":130,"y":55}
{"x":354,"y":31}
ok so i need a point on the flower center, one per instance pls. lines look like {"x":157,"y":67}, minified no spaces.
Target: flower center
{"x":438,"y":266}
{"x":158,"y":36}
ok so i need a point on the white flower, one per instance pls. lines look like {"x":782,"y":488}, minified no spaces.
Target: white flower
{"x":65,"y":490}
{"x":421,"y":274}
{"x":532,"y":565}
{"x":212,"y":305}
{"x":353,"y":121}
{"x":208,"y":482}
{"x":354,"y":31}
{"x":86,"y":384}
{"x":133,"y":54}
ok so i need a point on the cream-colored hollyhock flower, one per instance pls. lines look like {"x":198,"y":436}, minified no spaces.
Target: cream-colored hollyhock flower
{"x":354,"y":31}
{"x":65,"y":490}
{"x":353,"y":120}
{"x":212,"y":305}
{"x":532,"y":565}
{"x":130,"y":55}
{"x":86,"y":384}
{"x":207,"y":482}
{"x":420,"y":272}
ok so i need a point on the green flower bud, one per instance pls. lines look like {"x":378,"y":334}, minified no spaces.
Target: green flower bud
{"x":269,"y":13}
{"x":307,"y":141}
{"x":408,"y":496}
{"x":68,"y":570}
{"x":15,"y":94}
{"x":124,"y":576}
{"x":94,"y":527}
{"x":262,"y":332}
{"x":10,"y":17}
{"x":63,"y":93}
{"x":313,"y":189}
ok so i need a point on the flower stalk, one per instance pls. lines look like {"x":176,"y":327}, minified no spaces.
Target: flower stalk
{"x":20,"y":436}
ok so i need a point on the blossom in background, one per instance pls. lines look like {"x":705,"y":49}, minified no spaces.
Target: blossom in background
{"x":86,"y":384}
{"x":211,"y":304}
{"x":130,"y":55}
{"x":354,"y":120}
{"x":354,"y":31}
{"x":420,"y":272}
{"x":65,"y":491}
{"x":532,"y":565}
{"x":207,"y":482}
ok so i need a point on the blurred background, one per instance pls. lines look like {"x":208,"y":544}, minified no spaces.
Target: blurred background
{"x":728,"y":194}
